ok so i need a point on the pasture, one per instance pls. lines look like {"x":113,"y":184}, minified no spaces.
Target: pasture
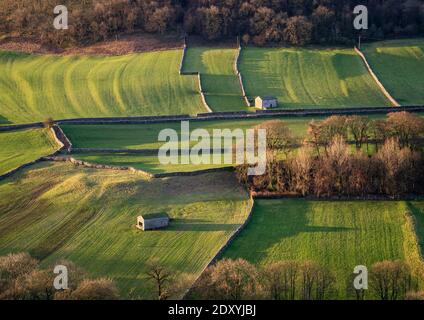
{"x":399,"y":65}
{"x":55,"y":211}
{"x":308,"y":78}
{"x":145,"y":136}
{"x":337,"y":234}
{"x":148,"y":163}
{"x":20,"y":147}
{"x":219,"y":81}
{"x":35,"y":87}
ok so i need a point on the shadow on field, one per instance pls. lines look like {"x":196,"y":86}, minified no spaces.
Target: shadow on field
{"x":199,"y":225}
{"x":64,"y":232}
{"x":253,"y":70}
{"x":418,"y":216}
{"x":345,"y":66}
{"x":273,"y":221}
{"x":4,"y":120}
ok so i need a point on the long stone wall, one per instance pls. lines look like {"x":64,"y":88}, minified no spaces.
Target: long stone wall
{"x":239,"y":76}
{"x":139,"y":151}
{"x":246,"y":115}
{"x":61,"y":139}
{"x":227,"y":116}
{"x":374,"y":76}
{"x":85,"y":164}
{"x":202,"y":94}
{"x":199,"y":77}
{"x":183,"y":57}
{"x":15,"y":127}
{"x":95,"y":166}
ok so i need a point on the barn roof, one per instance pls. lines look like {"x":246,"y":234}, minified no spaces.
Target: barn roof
{"x":268,"y":97}
{"x":158,"y":215}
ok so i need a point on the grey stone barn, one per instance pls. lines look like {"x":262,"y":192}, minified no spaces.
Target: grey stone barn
{"x":152,"y":221}
{"x":266,"y":102}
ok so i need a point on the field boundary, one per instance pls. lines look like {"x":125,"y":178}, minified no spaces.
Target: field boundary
{"x":61,"y":145}
{"x":416,"y":261}
{"x":61,"y":138}
{"x":140,"y":151}
{"x":146,"y":174}
{"x":374,"y":76}
{"x":235,"y":115}
{"x":199,"y":77}
{"x":368,"y":197}
{"x":230,"y":240}
{"x":239,"y":75}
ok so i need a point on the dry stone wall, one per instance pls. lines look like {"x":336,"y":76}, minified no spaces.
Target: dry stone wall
{"x":199,"y":78}
{"x":240,"y":77}
{"x":226,"y":116}
{"x":374,"y":76}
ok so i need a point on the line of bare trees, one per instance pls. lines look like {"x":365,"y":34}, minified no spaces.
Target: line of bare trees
{"x":387,"y":158}
{"x":294,"y":22}
{"x":22,"y":278}
{"x":292,"y":280}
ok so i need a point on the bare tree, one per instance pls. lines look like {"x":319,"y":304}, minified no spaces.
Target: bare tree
{"x":316,"y":281}
{"x":358,"y":127}
{"x":314,"y":136}
{"x":279,"y":280}
{"x":96,"y":289}
{"x":160,"y":276}
{"x":229,"y":280}
{"x":419,"y":295}
{"x":13,"y":268}
{"x":331,"y":175}
{"x":300,"y":167}
{"x":390,"y":280}
{"x":407,"y":127}
{"x":279,"y":136}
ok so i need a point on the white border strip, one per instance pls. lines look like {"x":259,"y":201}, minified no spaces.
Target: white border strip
{"x":380,"y":85}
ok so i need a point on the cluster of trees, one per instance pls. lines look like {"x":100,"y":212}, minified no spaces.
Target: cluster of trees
{"x":89,"y":20}
{"x":325,"y":164}
{"x":301,"y":21}
{"x":21,"y":278}
{"x":295,"y":22}
{"x":292,"y":280}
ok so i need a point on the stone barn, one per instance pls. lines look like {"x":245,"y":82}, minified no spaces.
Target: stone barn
{"x":152,"y":221}
{"x":266,"y":102}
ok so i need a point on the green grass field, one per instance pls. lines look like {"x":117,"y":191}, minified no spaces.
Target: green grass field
{"x":399,"y":65}
{"x":34,"y":87}
{"x":219,"y":82}
{"x":148,"y":163}
{"x":306,"y":78}
{"x":20,"y":147}
{"x":55,"y":211}
{"x":145,"y":136}
{"x":339,"y":235}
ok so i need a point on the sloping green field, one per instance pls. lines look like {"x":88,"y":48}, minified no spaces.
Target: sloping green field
{"x":34,"y":87}
{"x":145,"y":136}
{"x":20,"y":147}
{"x":219,"y":82}
{"x":148,"y":163}
{"x":55,"y":211}
{"x":307,"y":78}
{"x":338,"y":235}
{"x":399,"y":65}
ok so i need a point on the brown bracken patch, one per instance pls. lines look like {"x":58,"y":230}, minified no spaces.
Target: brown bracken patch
{"x":124,"y":44}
